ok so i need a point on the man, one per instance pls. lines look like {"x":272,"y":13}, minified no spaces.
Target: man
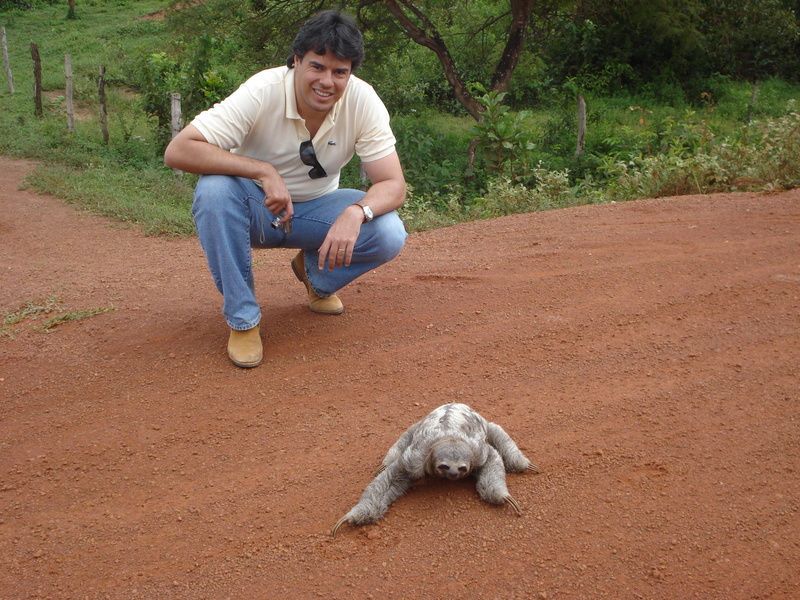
{"x":270,"y":156}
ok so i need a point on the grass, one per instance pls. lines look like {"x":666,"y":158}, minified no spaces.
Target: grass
{"x":106,"y":33}
{"x":35,"y":310}
{"x":154,"y":200}
{"x":77,"y":315}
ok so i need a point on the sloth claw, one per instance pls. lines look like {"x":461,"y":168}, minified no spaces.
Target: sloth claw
{"x":337,"y":525}
{"x":514,"y":504}
{"x":532,"y":467}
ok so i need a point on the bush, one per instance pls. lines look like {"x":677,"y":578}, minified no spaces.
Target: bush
{"x":694,"y":160}
{"x":432,"y":160}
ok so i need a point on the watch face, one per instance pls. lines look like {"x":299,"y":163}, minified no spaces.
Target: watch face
{"x":368,"y":213}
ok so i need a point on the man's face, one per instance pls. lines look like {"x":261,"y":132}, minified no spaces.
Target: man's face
{"x":319,"y":82}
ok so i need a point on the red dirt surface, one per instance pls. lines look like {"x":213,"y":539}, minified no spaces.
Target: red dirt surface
{"x":644,"y":355}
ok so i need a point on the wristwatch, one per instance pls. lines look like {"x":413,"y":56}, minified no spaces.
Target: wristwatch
{"x":367,"y":212}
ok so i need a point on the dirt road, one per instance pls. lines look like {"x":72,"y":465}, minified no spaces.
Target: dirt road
{"x":644,"y":355}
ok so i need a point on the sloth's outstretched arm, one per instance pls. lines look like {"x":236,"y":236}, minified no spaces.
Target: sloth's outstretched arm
{"x":398,"y":448}
{"x":387,"y":487}
{"x":491,"y":482}
{"x":513,"y":459}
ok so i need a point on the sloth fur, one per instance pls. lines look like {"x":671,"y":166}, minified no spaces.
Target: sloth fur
{"x":452,"y":442}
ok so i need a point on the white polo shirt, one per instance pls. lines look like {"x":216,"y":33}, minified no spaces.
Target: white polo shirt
{"x":260,"y":120}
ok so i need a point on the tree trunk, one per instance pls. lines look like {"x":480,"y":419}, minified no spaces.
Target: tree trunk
{"x":427,"y":35}
{"x":434,"y":41}
{"x":520,"y":19}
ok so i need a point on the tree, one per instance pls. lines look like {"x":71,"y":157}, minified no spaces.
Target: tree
{"x":473,"y":40}
{"x":420,"y":28}
{"x":750,"y":38}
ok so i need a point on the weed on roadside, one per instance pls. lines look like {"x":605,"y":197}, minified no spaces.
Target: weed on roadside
{"x":34,"y":310}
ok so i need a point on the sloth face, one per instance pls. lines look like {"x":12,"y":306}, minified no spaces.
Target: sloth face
{"x":449,"y":458}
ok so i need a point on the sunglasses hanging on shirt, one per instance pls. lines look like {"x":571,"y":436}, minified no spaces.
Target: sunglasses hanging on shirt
{"x":309,"y":157}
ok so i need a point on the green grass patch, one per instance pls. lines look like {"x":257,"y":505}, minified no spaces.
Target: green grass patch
{"x":35,"y":311}
{"x":53,"y":322}
{"x":155,"y":200}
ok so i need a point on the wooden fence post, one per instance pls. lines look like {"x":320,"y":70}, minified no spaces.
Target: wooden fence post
{"x":581,"y":145}
{"x":101,"y":92}
{"x":70,"y":107}
{"x":37,"y":81}
{"x":8,"y":64}
{"x":177,"y":121}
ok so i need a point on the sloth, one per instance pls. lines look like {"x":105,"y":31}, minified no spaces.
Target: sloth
{"x":452,"y":442}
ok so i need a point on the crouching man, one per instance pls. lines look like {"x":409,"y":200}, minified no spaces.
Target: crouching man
{"x":270,"y":157}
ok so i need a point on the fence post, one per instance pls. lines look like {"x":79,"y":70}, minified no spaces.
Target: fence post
{"x":581,"y":145}
{"x":70,"y":107}
{"x":8,"y":64}
{"x":177,"y":121}
{"x":101,"y":92}
{"x":37,"y":81}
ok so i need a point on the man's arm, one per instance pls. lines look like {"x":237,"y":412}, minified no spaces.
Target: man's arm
{"x":387,"y":193}
{"x":190,"y":151}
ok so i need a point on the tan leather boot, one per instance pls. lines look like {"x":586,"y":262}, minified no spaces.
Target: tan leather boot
{"x":324,"y":306}
{"x":244,"y":348}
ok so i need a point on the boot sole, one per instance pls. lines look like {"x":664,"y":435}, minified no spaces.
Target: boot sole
{"x":246,"y":365}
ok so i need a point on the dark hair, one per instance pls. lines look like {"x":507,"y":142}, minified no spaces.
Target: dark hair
{"x":329,"y":30}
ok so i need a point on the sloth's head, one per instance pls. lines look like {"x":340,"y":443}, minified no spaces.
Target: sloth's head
{"x":450,"y":458}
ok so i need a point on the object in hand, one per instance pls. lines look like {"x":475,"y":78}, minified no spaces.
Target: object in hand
{"x":276,"y":223}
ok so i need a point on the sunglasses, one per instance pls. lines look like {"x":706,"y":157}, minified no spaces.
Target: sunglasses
{"x":309,"y":157}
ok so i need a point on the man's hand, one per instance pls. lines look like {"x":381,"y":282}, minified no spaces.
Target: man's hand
{"x":388,"y":192}
{"x":337,"y":249}
{"x":276,"y":196}
{"x":190,"y":151}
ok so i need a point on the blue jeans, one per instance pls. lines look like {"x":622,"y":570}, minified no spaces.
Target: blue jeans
{"x":231,"y":218}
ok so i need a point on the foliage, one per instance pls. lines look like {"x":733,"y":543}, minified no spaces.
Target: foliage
{"x":506,"y":197}
{"x":431,"y":160}
{"x":23,"y":4}
{"x":159,"y":75}
{"x":751,"y":38}
{"x":660,"y":132}
{"x":441,"y":208}
{"x":693,"y":160}
{"x":503,"y":136}
{"x":611,"y":46}
{"x":33,"y":310}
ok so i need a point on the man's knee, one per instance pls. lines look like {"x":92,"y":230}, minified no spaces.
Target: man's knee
{"x":391,"y":235}
{"x":216,"y":186}
{"x":219,"y":195}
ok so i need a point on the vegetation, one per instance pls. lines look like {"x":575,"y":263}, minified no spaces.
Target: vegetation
{"x":683,"y":96}
{"x":33,"y":310}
